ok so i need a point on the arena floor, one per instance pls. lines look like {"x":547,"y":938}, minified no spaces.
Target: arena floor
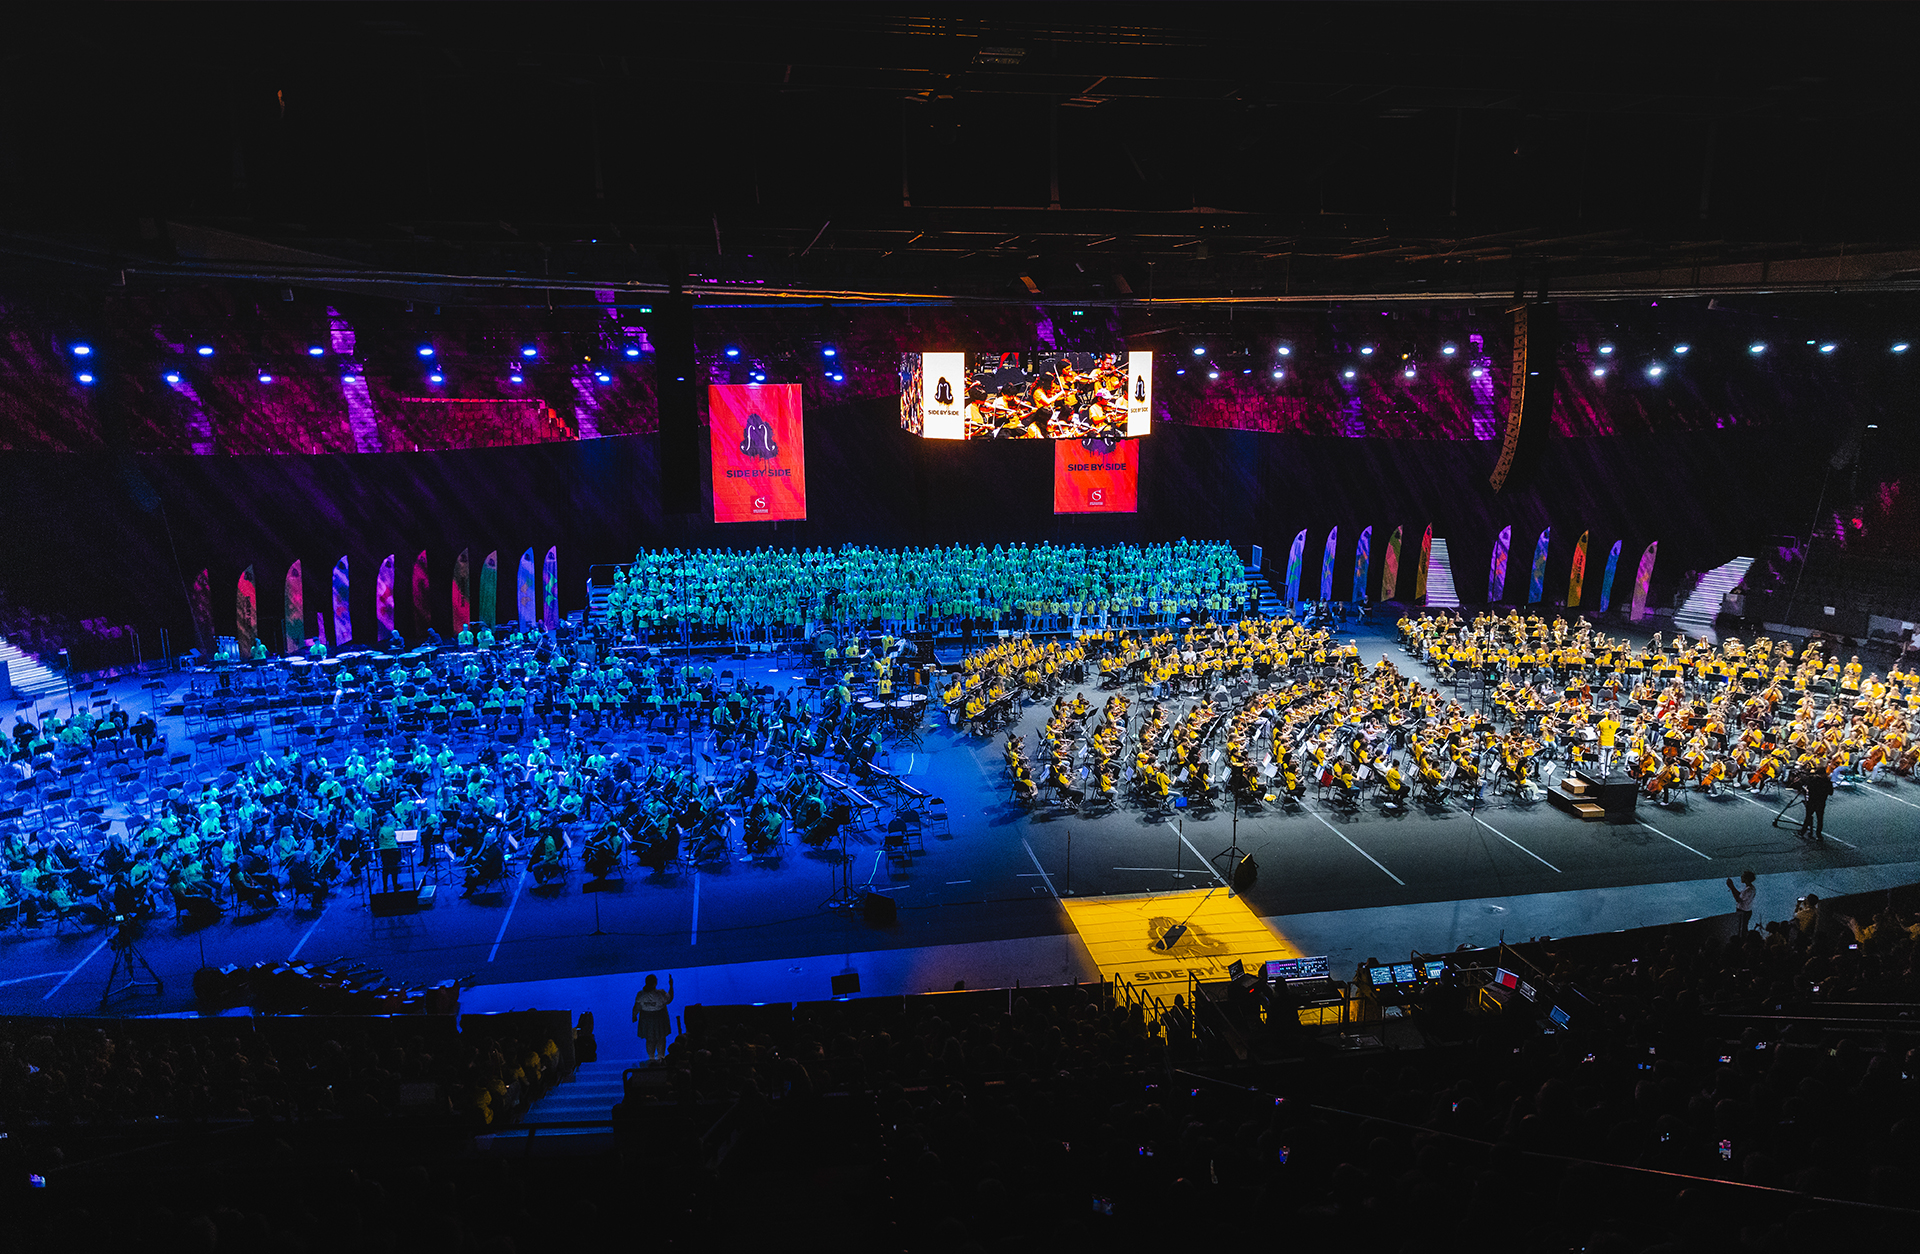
{"x":984,"y":900}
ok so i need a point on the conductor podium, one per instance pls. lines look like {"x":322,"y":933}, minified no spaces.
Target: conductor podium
{"x":1595,"y":799}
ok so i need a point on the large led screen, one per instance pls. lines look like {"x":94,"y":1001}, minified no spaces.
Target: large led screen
{"x":1042,"y":395}
{"x":759,"y":452}
{"x":1096,"y":477}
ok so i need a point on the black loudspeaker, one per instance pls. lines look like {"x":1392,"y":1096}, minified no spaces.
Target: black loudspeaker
{"x":1245,"y":872}
{"x":878,"y":908}
{"x":847,"y":985}
{"x":1536,"y":351}
{"x":676,"y":380}
{"x":386,"y":905}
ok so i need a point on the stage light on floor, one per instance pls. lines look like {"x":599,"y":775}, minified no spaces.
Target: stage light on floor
{"x":829,"y":351}
{"x":1285,"y":351}
{"x":171,"y":376}
{"x":514,"y":378}
{"x":436,"y":377}
{"x":1901,"y":347}
{"x":632,"y":351}
{"x":732,"y":351}
{"x":838,"y":377}
{"x":1606,"y":350}
{"x":265,"y":377}
{"x":1756,"y":348}
{"x":1828,"y":348}
{"x":315,"y":350}
{"x":1248,"y":370}
{"x":1407,"y":373}
{"x":1477,"y":372}
{"x":1448,"y":350}
{"x":1199,"y":350}
{"x":1366,"y":350}
{"x":603,"y":376}
{"x":1279,"y":374}
{"x":1599,"y":372}
{"x":1656,"y":370}
{"x":205,"y":350}
{"x":83,"y":350}
{"x":349,"y":378}
{"x":529,"y":351}
{"x":1181,"y":370}
{"x":1213,"y":374}
{"x":1347,"y":374}
{"x":84,"y":377}
{"x":425,"y":350}
{"x":1682,"y":349}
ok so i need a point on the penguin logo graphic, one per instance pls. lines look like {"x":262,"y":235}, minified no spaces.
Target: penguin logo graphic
{"x":943,"y":392}
{"x":1098,"y":446}
{"x":756,"y":438}
{"x":1140,"y":388}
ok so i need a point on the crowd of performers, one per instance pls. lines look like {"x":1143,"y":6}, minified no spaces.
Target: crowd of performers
{"x":788,"y":589}
{"x":293,"y":823}
{"x":1264,"y":710}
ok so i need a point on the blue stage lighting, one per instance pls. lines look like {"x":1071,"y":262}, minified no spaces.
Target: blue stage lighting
{"x":1476,"y":372}
{"x":83,"y":350}
{"x":425,"y":350}
{"x":1286,"y":351}
{"x":316,"y":351}
{"x":1655,"y":370}
{"x":529,"y":351}
{"x":1347,"y":373}
{"x":1682,"y":349}
{"x":1366,"y":350}
{"x":515,"y":378}
{"x":1756,"y":348}
{"x":1181,"y":370}
{"x":1828,"y":348}
{"x":1901,"y":347}
{"x":265,"y":377}
{"x":603,"y":376}
{"x":1279,"y":374}
{"x":1599,"y":372}
{"x":1408,"y":372}
{"x":732,"y":351}
{"x":436,"y":377}
{"x":632,"y":352}
{"x":829,"y":351}
{"x":205,"y":350}
{"x":84,"y":377}
{"x":1606,"y":350}
{"x":838,"y":377}
{"x":1448,"y":350}
{"x":171,"y":377}
{"x":347,"y":378}
{"x":1213,"y":374}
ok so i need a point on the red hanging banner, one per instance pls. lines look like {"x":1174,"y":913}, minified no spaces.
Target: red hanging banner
{"x":1096,"y":476}
{"x":759,"y":452}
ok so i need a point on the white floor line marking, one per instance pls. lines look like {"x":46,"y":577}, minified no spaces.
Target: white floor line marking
{"x":309,"y":932}
{"x":510,"y":905}
{"x":1683,"y":844}
{"x":1769,"y":809}
{"x":76,"y":971}
{"x":1874,"y":790}
{"x":1357,"y":849}
{"x":951,"y":883}
{"x":28,"y":979}
{"x":1036,"y":866}
{"x":1177,"y":870}
{"x":694,"y":939}
{"x":1516,"y":844}
{"x":1208,"y":866}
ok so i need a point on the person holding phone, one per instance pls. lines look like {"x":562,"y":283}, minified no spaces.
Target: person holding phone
{"x":1743,"y":896}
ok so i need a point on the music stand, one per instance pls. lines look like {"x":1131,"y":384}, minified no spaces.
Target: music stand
{"x":122,"y":978}
{"x":846,"y":896}
{"x":1233,"y":853}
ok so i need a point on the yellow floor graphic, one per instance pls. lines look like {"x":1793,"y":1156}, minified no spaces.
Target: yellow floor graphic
{"x":1122,"y":934}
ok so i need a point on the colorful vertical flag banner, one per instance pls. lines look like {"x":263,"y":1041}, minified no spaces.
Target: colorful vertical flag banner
{"x":1326,"y":565}
{"x":1606,"y":580}
{"x":1362,"y":559}
{"x":1497,"y":572}
{"x":1577,"y":578}
{"x":1537,"y":581}
{"x":1390,"y":568}
{"x":1420,"y":571}
{"x":422,"y":597}
{"x":524,"y":600}
{"x":1096,"y":476}
{"x":1295,"y":556}
{"x":461,"y":603}
{"x":293,"y":617}
{"x":759,"y":452}
{"x":342,"y":605}
{"x":383,"y":599}
{"x":200,"y":603}
{"x":550,"y":589}
{"x":487,"y":605}
{"x":1642,"y":581}
{"x":246,"y":612}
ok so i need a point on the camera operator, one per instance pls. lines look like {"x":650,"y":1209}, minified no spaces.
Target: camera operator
{"x":1816,"y":786}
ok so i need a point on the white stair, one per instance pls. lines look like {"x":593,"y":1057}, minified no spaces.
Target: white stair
{"x":31,"y":679}
{"x":1440,"y":592}
{"x":589,"y":1093}
{"x":1702,"y":606}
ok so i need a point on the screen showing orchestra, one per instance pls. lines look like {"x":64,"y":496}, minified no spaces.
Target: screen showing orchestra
{"x":1036,"y":395}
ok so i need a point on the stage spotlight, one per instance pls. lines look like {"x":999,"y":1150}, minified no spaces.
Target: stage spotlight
{"x":732,"y":351}
{"x":171,"y":376}
{"x":1407,"y":373}
{"x":436,"y":377}
{"x":1681,"y":349}
{"x":1213,"y":374}
{"x":1348,"y":373}
{"x":265,"y":377}
{"x":1448,"y":350}
{"x":1476,"y":372}
{"x":1756,"y":348}
{"x":838,"y":377}
{"x":1606,"y":350}
{"x":426,"y":350}
{"x":829,"y":351}
{"x":84,"y":377}
{"x":1199,"y":350}
{"x":1181,"y":370}
{"x":1366,"y":350}
{"x":1827,"y":348}
{"x":1285,"y":351}
{"x":1656,"y":370}
{"x":83,"y":350}
{"x":529,"y":351}
{"x":205,"y":350}
{"x":316,"y":351}
{"x":515,"y":378}
{"x":1248,"y":370}
{"x":1279,"y":374}
{"x":1901,"y":347}
{"x":348,"y":378}
{"x":1599,"y":372}
{"x":603,"y":376}
{"x":632,"y":351}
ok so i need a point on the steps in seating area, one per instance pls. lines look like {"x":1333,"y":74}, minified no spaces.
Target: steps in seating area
{"x":1696,"y":615}
{"x":589,"y":1093}
{"x":598,"y":594}
{"x":1440,"y":589}
{"x":1593,"y":800}
{"x":1257,"y":584}
{"x":31,"y":678}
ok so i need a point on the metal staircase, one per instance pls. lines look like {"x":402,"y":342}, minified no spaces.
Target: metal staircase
{"x":589,"y":1093}
{"x":31,"y":678}
{"x":1702,"y":606}
{"x":1440,"y":591}
{"x":1269,"y":602}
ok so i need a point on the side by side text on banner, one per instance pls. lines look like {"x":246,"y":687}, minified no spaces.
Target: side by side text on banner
{"x":759,"y":452}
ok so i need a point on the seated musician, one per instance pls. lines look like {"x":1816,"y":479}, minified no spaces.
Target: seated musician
{"x":763,"y":825}
{"x":603,"y":849}
{"x":488,"y":863}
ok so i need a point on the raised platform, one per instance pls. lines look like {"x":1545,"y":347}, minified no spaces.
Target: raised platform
{"x":1595,"y":799}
